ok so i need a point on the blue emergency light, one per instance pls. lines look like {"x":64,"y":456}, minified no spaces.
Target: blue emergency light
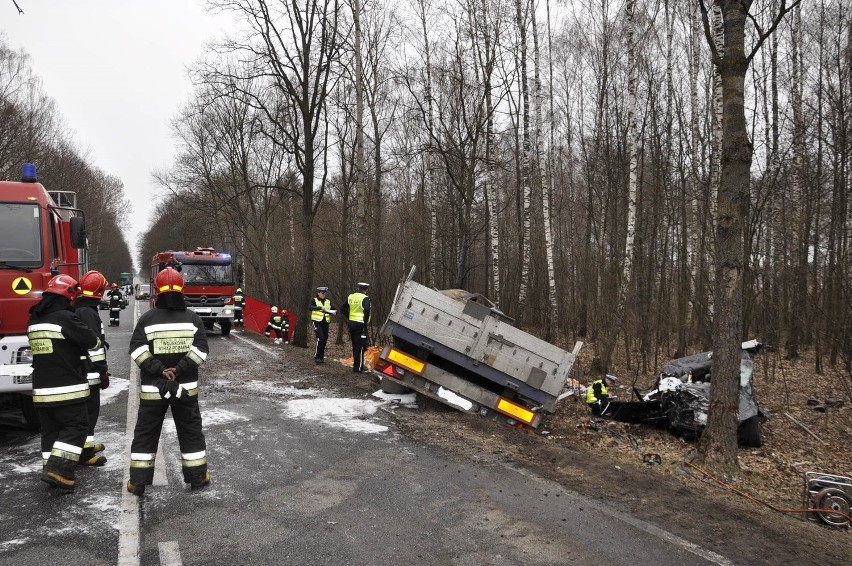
{"x":28,"y":173}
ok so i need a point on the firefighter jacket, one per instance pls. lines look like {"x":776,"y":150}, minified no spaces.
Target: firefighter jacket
{"x":318,"y":308}
{"x":597,"y":392}
{"x":115,"y":299}
{"x":59,"y":340}
{"x":276,"y":322}
{"x":357,"y":307}
{"x":96,"y":361}
{"x":168,"y":338}
{"x":239,"y":300}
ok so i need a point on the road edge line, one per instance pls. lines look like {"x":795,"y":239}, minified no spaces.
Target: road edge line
{"x":128,"y":524}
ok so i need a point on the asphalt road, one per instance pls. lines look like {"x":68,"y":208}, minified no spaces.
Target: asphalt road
{"x":301,"y":476}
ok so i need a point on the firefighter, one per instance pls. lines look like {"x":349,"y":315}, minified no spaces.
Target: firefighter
{"x":92,"y":287}
{"x":357,"y":312}
{"x":321,"y":312}
{"x":239,"y":305}
{"x":168,"y":344}
{"x":115,"y":300}
{"x":285,"y":326}
{"x":59,"y":341}
{"x":597,"y":396}
{"x":275,"y":325}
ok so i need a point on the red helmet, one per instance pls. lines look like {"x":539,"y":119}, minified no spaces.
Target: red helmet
{"x":93,"y":284}
{"x":64,"y":285}
{"x":169,"y":281}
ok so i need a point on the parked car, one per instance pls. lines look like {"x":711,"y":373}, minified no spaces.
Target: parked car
{"x":104,"y":304}
{"x":143,"y":292}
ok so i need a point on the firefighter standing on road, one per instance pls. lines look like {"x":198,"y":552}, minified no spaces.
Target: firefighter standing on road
{"x":168,"y":344}
{"x":115,"y":300}
{"x":92,"y":287}
{"x":321,"y":312}
{"x":239,"y":306}
{"x":357,"y":312}
{"x":59,"y":340}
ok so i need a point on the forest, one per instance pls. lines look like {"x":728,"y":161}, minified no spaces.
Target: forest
{"x":562,"y":158}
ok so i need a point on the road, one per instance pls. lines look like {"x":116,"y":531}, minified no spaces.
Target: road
{"x":301,"y":476}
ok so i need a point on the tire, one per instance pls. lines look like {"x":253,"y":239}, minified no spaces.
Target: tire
{"x":225,"y":325}
{"x":208,"y":324}
{"x":30,"y":413}
{"x":392,"y":386}
{"x":748,"y":433}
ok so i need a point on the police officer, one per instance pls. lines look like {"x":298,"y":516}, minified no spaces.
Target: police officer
{"x":59,"y":340}
{"x":92,"y":287}
{"x":321,"y":312}
{"x":239,"y":305}
{"x":357,"y":312}
{"x":115,"y":300}
{"x":168,"y":344}
{"x":597,"y":396}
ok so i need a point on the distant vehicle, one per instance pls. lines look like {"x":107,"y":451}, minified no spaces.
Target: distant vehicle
{"x":104,"y":304}
{"x":208,"y":283}
{"x":143,"y":292}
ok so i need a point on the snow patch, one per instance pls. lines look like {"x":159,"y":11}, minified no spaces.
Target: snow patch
{"x":213,"y":417}
{"x":116,"y":386}
{"x":347,"y":414}
{"x":407,"y":400}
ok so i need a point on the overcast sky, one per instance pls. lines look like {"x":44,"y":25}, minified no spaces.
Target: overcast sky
{"x":117,"y":71}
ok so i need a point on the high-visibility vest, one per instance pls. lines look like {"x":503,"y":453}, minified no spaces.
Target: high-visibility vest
{"x":590,"y":394}
{"x":318,"y":315}
{"x":356,"y":308}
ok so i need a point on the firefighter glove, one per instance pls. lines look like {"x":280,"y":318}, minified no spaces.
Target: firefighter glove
{"x":105,"y":380}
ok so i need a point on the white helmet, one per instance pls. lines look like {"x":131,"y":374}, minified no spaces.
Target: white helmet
{"x":274,"y":309}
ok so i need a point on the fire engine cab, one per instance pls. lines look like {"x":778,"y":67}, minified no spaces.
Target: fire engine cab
{"x":208,"y":283}
{"x":42,"y":234}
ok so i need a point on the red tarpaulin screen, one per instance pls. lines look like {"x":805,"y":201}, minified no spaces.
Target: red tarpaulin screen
{"x":256,"y":315}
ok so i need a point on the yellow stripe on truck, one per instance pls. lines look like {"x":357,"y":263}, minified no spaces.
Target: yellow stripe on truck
{"x":522,"y":414}
{"x":406,"y":361}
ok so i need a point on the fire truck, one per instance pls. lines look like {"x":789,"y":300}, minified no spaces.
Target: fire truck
{"x":42,"y":234}
{"x":208,"y":283}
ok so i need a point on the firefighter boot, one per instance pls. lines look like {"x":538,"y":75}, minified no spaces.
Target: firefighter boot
{"x":93,"y":460}
{"x":137,"y":490}
{"x":99,"y":447}
{"x":54,"y":479}
{"x":199,"y":484}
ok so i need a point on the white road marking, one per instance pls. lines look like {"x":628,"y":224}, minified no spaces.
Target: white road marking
{"x":170,"y":553}
{"x":256,"y":345}
{"x":128,"y":523}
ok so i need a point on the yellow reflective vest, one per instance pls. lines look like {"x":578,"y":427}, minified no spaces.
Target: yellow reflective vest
{"x":590,"y":393}
{"x":318,"y":315}
{"x":356,"y":306}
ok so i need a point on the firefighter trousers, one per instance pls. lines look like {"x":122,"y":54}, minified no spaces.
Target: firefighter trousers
{"x":321,"y":330}
{"x":63,"y":433}
{"x":146,"y":437}
{"x":93,"y":409}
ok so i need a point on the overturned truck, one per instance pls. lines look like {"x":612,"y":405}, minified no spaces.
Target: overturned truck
{"x":457,"y":348}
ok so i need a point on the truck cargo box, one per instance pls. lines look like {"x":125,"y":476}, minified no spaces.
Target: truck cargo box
{"x":473,"y":357}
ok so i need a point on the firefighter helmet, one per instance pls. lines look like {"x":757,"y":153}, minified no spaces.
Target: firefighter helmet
{"x":93,"y":284}
{"x":274,"y":310}
{"x":63,"y":285}
{"x":168,"y":281}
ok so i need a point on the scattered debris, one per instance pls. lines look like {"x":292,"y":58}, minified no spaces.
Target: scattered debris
{"x":652,"y":459}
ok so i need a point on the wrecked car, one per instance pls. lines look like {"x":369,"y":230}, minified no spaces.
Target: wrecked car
{"x":680,"y":399}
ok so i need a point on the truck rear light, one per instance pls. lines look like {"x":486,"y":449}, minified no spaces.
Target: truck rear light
{"x":403,"y":360}
{"x":515,"y":411}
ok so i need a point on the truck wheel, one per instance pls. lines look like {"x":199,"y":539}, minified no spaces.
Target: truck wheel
{"x":226,"y":326}
{"x":30,"y":413}
{"x":748,"y":432}
{"x":392,"y":386}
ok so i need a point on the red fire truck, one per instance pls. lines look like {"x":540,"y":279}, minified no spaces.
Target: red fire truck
{"x":208,"y":283}
{"x":42,"y":234}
